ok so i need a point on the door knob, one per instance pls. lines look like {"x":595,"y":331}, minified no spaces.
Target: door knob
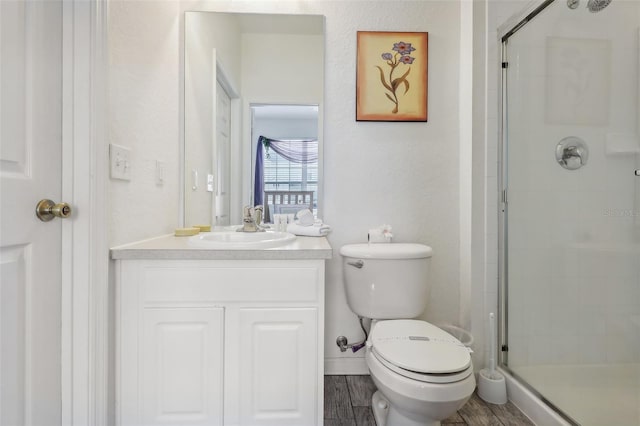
{"x":637,"y":172}
{"x":47,"y":210}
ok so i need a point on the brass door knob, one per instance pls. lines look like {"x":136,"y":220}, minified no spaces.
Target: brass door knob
{"x":47,"y":210}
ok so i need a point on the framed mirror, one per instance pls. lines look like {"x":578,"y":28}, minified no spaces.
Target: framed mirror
{"x":234,"y":65}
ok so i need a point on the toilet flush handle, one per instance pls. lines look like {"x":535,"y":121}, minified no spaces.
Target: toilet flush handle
{"x":358,"y":264}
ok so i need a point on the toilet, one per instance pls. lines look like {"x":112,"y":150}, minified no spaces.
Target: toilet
{"x":423,"y":374}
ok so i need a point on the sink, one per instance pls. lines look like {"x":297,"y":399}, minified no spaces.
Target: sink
{"x":232,"y":240}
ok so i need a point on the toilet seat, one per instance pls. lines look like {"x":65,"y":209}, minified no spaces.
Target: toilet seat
{"x":420,"y":351}
{"x":426,"y":378}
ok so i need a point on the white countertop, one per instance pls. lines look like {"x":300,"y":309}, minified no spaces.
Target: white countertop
{"x":171,"y":247}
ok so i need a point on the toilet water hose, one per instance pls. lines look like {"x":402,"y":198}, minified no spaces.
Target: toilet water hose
{"x":355,"y":347}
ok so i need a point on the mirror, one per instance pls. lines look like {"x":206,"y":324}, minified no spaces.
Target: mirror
{"x":233,"y":64}
{"x":286,"y":178}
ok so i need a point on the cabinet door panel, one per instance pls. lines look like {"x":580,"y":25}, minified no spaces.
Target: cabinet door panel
{"x":181,"y":359}
{"x":278,"y":359}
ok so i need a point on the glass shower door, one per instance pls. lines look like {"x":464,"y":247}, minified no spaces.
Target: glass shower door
{"x":571,"y":223}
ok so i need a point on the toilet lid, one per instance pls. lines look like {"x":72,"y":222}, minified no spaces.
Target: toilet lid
{"x":419,"y":346}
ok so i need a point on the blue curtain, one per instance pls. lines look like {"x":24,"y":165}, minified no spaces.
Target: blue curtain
{"x":258,"y":184}
{"x":296,"y":151}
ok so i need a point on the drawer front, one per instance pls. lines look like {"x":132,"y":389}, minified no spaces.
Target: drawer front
{"x":202,"y":284}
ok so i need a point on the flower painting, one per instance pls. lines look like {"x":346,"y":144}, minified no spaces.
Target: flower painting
{"x":391,"y":76}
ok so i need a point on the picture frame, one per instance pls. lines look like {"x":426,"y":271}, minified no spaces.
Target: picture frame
{"x":392,"y":76}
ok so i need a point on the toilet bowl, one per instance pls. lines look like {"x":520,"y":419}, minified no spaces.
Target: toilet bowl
{"x":423,"y":374}
{"x":421,"y":379}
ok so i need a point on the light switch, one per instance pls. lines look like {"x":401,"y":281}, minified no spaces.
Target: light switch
{"x":210,"y":182}
{"x":160,"y":172}
{"x":194,"y":180}
{"x":120,"y":162}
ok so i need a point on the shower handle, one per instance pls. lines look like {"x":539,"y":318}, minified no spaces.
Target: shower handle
{"x":572,"y":153}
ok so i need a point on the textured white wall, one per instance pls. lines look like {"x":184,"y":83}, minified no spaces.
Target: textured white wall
{"x":143,"y":115}
{"x":403,"y":174}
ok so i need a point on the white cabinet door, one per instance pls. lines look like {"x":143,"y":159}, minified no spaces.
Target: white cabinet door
{"x":278,"y":366}
{"x":181,"y":362}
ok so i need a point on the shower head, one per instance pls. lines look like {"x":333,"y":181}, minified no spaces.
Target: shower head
{"x":597,"y":5}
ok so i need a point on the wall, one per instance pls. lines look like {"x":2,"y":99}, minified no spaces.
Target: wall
{"x":143,"y":96}
{"x":403,"y":174}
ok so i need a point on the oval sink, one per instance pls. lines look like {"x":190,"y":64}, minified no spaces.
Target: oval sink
{"x":241,"y":240}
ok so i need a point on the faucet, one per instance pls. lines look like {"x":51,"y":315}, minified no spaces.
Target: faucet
{"x":252,"y":219}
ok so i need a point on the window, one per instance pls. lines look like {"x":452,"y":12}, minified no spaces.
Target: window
{"x":281,"y":174}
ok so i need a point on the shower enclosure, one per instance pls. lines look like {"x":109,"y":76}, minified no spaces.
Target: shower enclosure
{"x":570,"y":216}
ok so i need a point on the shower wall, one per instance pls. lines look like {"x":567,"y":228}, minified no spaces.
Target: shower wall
{"x":573,"y":274}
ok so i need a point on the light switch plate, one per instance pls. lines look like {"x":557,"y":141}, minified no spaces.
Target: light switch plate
{"x":160,"y":172}
{"x":210,"y":183}
{"x":120,"y":162}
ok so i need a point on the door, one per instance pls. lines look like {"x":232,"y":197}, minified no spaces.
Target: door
{"x":278,"y":366}
{"x":30,"y":169}
{"x":223,"y":157}
{"x":571,"y":239}
{"x":181,"y":361}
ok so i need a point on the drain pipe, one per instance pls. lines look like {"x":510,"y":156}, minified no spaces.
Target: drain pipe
{"x":344,"y":344}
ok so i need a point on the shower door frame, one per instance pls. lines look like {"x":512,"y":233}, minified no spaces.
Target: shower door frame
{"x":504,"y":33}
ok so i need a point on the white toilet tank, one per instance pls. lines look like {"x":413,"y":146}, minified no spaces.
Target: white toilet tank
{"x":386,"y":281}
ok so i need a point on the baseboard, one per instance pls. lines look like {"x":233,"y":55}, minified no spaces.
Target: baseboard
{"x":530,"y":405}
{"x":340,"y":366}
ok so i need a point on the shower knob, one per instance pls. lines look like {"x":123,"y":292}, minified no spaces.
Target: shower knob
{"x":572,"y":153}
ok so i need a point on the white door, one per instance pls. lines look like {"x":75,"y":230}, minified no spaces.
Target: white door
{"x":223,"y":155}
{"x":30,"y":169}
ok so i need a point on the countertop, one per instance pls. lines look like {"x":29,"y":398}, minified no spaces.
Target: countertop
{"x":171,"y":247}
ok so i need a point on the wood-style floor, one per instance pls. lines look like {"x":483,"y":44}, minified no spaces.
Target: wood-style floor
{"x":347,"y":402}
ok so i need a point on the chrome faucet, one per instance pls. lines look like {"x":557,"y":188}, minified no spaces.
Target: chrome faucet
{"x":252,"y":219}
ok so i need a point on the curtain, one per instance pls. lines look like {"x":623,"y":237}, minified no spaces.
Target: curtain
{"x":258,"y":184}
{"x":296,"y":151}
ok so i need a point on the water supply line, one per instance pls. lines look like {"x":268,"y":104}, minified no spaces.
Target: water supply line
{"x":344,"y":344}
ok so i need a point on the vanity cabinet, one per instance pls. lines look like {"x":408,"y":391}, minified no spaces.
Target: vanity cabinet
{"x":219,"y":342}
